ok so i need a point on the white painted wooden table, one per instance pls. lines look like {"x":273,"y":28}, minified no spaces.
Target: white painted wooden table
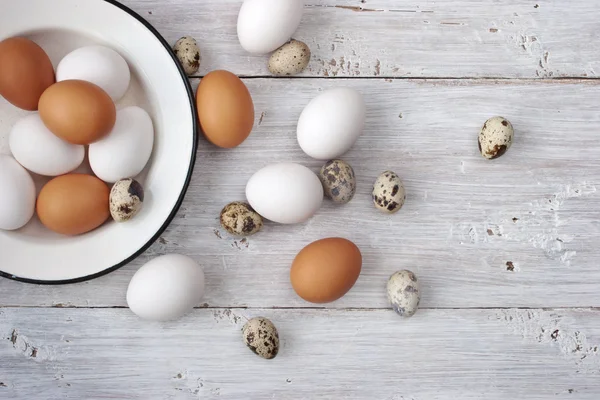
{"x":507,"y":251}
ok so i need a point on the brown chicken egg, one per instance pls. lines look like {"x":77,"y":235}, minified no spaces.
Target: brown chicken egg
{"x":326,"y":270}
{"x":77,"y":111}
{"x":73,"y":204}
{"x":225,"y":109}
{"x":25,"y":72}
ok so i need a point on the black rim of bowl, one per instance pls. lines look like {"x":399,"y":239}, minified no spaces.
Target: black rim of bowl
{"x":169,"y":219}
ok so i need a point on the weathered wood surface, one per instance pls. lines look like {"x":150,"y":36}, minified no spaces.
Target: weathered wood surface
{"x":465,"y":218}
{"x":401,"y":38}
{"x":522,"y":231}
{"x":327,"y":354}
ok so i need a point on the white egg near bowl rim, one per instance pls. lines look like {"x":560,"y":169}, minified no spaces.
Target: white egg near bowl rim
{"x":36,"y":255}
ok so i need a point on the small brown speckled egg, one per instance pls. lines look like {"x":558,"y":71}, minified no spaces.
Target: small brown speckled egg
{"x":126,"y":199}
{"x":388,"y":192}
{"x":495,"y":137}
{"x":339,"y":182}
{"x":290,"y":59}
{"x":404,"y":293}
{"x":260,"y":335}
{"x":238,"y":218}
{"x":188,"y":53}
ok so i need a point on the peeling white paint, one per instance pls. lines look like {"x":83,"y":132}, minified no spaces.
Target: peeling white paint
{"x":553,"y":329}
{"x":537,"y":224}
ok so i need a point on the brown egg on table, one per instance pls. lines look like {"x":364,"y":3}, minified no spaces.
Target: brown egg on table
{"x":77,"y":111}
{"x":326,"y":270}
{"x":25,"y":72}
{"x":73,"y":204}
{"x":225,"y":109}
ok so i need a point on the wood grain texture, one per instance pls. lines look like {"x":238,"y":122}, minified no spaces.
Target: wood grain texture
{"x":400,"y":38}
{"x":438,"y":354}
{"x":483,"y":237}
{"x":520,"y":231}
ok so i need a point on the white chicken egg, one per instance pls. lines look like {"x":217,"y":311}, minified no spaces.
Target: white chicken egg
{"x":41,"y":151}
{"x":331,"y":123}
{"x":166,"y":288}
{"x":17,"y":194}
{"x":125,"y":151}
{"x":286,"y":193}
{"x":100,"y":65}
{"x":265,"y":25}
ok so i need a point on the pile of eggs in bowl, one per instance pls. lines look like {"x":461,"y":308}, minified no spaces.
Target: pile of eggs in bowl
{"x":70,"y":109}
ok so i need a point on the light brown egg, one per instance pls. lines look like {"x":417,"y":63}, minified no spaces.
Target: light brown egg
{"x":73,"y":204}
{"x":225,"y":109}
{"x":326,"y":270}
{"x":25,"y":72}
{"x":77,"y":111}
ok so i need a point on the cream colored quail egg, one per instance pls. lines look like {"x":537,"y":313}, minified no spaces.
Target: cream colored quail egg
{"x":339,"y":182}
{"x":126,"y":199}
{"x":495,"y":137}
{"x":404,"y":293}
{"x":238,"y":218}
{"x":388,"y":192}
{"x":290,"y":59}
{"x":188,"y":53}
{"x":261,"y":336}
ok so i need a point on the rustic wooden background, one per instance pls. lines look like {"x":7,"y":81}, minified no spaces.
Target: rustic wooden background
{"x":507,"y":251}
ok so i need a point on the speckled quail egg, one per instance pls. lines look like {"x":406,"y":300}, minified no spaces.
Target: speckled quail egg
{"x":388,"y":192}
{"x":495,"y":137}
{"x":238,"y":218}
{"x":188,"y":53}
{"x":260,"y":335}
{"x":339,"y":182}
{"x":290,"y":59}
{"x":126,"y":199}
{"x":404,"y":293}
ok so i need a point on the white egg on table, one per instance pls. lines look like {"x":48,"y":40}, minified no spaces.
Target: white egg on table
{"x":286,"y":193}
{"x":166,"y":287}
{"x":265,"y":25}
{"x":331,"y":123}
{"x":41,"y":151}
{"x":17,"y":194}
{"x":125,"y":151}
{"x":100,"y":65}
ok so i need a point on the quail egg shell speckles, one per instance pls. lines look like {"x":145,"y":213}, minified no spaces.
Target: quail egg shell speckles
{"x":238,"y":218}
{"x":126,"y":199}
{"x":404,"y":293}
{"x":188,"y":53}
{"x":261,"y":336}
{"x":388,"y":192}
{"x":339,"y":182}
{"x":290,"y":59}
{"x":495,"y":137}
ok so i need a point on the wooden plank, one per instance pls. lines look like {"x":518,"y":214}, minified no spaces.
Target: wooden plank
{"x":438,"y":354}
{"x":400,"y":38}
{"x":465,"y":219}
{"x":521,"y":231}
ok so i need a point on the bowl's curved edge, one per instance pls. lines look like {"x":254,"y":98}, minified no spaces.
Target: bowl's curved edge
{"x":187,"y":179}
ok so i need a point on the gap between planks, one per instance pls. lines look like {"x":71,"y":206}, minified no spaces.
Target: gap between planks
{"x":312,"y":308}
{"x":557,"y":79}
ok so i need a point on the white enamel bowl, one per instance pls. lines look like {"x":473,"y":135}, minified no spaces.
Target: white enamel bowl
{"x":159,"y":85}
